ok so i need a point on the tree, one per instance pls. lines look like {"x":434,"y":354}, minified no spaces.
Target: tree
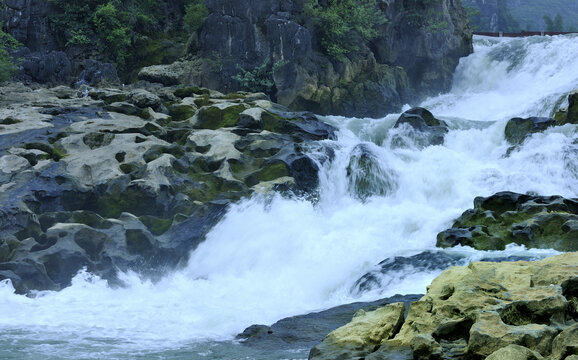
{"x":549,"y":23}
{"x":344,"y":24}
{"x":558,"y":23}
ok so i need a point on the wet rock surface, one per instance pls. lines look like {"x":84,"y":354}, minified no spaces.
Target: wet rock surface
{"x":305,"y":331}
{"x":543,"y":222}
{"x":520,"y":309}
{"x":132,"y":179}
{"x":418,"y":127}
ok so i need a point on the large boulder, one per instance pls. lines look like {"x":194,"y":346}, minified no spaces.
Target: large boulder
{"x":543,"y":222}
{"x":518,"y":129}
{"x":476,"y":311}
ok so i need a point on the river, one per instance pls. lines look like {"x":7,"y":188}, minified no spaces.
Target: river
{"x":275,"y":257}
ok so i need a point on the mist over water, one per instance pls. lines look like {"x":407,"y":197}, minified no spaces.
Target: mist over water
{"x":272,"y":257}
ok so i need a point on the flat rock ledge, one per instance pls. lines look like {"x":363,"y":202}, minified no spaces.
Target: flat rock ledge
{"x":511,"y":310}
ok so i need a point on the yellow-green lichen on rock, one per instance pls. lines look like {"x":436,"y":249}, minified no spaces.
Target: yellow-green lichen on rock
{"x":477,"y":310}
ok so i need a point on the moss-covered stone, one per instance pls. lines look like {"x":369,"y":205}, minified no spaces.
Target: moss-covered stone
{"x":132,"y":201}
{"x":273,"y":122}
{"x":270,"y":171}
{"x":191,"y":90}
{"x":90,"y":218}
{"x":219,"y":115}
{"x":180,"y":112}
{"x":157,"y":226}
{"x":208,"y":187}
{"x":506,"y":217}
{"x":138,"y":242}
{"x":518,"y":129}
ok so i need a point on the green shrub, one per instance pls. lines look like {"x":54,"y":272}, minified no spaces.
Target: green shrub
{"x":344,"y":24}
{"x":117,"y":25}
{"x":113,"y":32}
{"x":260,"y":79}
{"x":7,"y":66}
{"x":195,"y":14}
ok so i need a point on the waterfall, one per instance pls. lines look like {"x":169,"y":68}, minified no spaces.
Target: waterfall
{"x":272,"y":257}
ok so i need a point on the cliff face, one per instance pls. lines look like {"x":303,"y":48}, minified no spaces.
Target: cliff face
{"x":414,"y":55}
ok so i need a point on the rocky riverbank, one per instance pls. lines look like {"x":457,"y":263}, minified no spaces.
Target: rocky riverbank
{"x":133,"y":178}
{"x":521,"y":310}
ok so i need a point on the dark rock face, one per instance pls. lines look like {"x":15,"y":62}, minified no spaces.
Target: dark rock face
{"x":534,"y":221}
{"x":86,"y":185}
{"x":405,"y":61}
{"x":96,"y":73}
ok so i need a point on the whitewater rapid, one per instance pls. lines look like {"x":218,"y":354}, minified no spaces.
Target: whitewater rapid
{"x":275,"y":257}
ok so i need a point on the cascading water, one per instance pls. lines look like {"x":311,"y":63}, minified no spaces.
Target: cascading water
{"x":383,"y":194}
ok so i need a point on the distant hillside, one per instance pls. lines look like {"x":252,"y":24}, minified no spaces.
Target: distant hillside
{"x":529,"y":13}
{"x":516,"y":15}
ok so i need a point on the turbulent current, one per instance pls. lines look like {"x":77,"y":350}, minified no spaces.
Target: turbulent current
{"x":275,"y":257}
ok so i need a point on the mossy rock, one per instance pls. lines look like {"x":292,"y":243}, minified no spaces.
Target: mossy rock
{"x":204,"y":100}
{"x":91,"y":241}
{"x":544,"y":222}
{"x":91,"y":219}
{"x":8,"y":247}
{"x":209,"y":187}
{"x":273,"y":122}
{"x":190,"y":91}
{"x":180,"y":112}
{"x":56,"y":152}
{"x":518,"y":129}
{"x":572,"y":116}
{"x":138,"y":242}
{"x":97,"y":139}
{"x":271,"y":171}
{"x":219,"y":116}
{"x":131,"y":200}
{"x":156,"y":225}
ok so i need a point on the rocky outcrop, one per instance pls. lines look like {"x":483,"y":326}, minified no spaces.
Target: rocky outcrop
{"x":414,"y":55}
{"x":521,"y":309}
{"x":133,"y":178}
{"x":305,"y":331}
{"x":506,"y":217}
{"x":48,"y":56}
{"x":518,"y":129}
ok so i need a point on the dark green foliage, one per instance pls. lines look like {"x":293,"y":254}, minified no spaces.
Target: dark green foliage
{"x":260,"y":79}
{"x":113,"y":31}
{"x":344,"y":24}
{"x":195,"y":14}
{"x":554,"y":25}
{"x":7,"y":66}
{"x":480,"y":20}
{"x":530,"y":14}
{"x":118,"y":28}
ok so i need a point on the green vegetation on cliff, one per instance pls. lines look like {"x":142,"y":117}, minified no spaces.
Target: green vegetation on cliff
{"x":121,"y":29}
{"x":344,"y":24}
{"x":529,"y":15}
{"x":7,"y":66}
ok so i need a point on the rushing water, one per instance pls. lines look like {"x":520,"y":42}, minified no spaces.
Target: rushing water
{"x":277,"y":257}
